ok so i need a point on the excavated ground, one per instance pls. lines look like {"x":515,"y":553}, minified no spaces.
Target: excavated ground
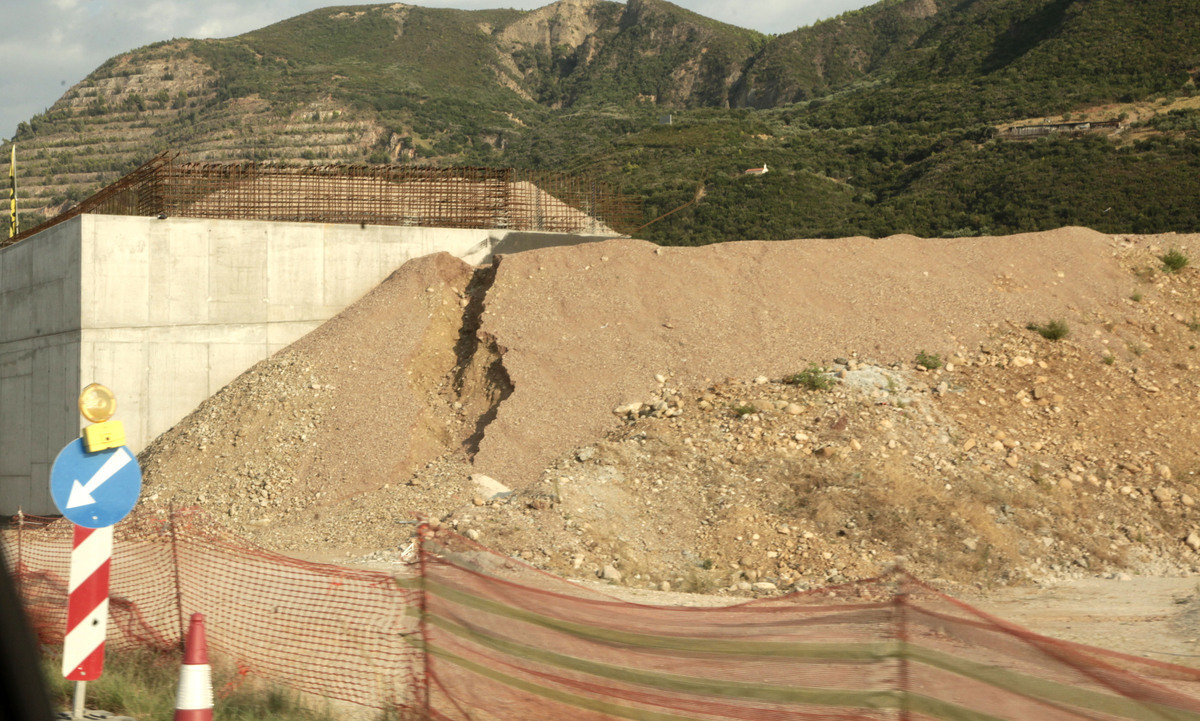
{"x":642,"y":415}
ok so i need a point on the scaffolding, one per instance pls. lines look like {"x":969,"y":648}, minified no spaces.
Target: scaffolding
{"x":465,"y":197}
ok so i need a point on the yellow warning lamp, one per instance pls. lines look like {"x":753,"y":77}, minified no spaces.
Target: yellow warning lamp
{"x":98,"y":404}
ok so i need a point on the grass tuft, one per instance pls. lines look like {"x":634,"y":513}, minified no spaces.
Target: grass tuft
{"x":143,"y":684}
{"x":931,"y":361}
{"x":1174,"y":261}
{"x":1054,"y":330}
{"x":813,"y":378}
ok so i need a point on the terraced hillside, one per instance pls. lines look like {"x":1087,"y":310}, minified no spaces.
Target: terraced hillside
{"x":883,"y":120}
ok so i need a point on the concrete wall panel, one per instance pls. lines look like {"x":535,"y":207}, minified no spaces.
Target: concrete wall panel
{"x":187,"y":269}
{"x":39,"y":362}
{"x":117,"y":281}
{"x":54,"y":397}
{"x":180,"y":376}
{"x":14,"y":424}
{"x":237,"y":276}
{"x":295,"y":271}
{"x":125,"y":368}
{"x":167,"y":312}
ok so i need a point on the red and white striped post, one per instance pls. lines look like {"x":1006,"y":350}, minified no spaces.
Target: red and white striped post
{"x":194,"y":700}
{"x":87,"y":609}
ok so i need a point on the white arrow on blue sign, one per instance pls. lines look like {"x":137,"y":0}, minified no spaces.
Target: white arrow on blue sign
{"x":95,"y":490}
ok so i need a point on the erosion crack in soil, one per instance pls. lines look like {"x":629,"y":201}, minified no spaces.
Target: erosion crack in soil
{"x":480,"y":368}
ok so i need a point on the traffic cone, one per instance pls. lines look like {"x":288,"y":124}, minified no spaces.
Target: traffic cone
{"x":194,"y":701}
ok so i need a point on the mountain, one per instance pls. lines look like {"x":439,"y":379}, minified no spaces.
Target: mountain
{"x":882,"y":120}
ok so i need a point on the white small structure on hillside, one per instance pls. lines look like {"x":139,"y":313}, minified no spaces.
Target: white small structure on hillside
{"x":757,"y":171}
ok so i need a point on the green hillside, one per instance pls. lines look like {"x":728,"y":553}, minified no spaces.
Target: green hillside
{"x":889,"y":119}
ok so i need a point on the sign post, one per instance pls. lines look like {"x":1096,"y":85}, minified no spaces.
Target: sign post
{"x":95,"y":482}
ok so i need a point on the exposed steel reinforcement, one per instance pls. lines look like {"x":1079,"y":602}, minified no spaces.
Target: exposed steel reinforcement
{"x":469,"y":197}
{"x":465,"y":634}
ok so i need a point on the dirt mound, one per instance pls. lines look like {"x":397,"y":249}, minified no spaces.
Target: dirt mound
{"x":725,"y":465}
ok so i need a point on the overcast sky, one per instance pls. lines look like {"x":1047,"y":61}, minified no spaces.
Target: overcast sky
{"x":46,"y":46}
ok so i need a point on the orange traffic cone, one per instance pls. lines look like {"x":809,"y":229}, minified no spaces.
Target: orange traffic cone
{"x":194,"y":701}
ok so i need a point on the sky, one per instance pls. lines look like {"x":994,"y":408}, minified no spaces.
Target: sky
{"x":47,"y":46}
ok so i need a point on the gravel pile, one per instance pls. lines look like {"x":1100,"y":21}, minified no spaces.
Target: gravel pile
{"x":742,"y":418}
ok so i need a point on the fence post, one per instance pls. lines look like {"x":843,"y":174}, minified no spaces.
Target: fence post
{"x":16,"y":572}
{"x":900,"y":602}
{"x":423,"y":532}
{"x":175,"y":566}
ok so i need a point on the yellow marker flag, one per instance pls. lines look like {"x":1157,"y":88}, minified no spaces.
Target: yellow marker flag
{"x":13,"y":227}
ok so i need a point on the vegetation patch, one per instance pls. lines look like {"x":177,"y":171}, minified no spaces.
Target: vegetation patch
{"x":1053,"y":330}
{"x":1174,"y":261}
{"x":813,"y":378}
{"x":931,"y":361}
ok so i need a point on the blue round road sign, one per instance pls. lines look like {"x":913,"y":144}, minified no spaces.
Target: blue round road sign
{"x":95,"y":490}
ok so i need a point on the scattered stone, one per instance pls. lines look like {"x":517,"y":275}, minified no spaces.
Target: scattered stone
{"x":610,"y":573}
{"x":489,"y":487}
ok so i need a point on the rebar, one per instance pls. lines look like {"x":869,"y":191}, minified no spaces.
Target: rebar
{"x":394,"y":195}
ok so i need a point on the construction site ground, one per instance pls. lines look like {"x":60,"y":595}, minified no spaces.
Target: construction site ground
{"x":747,"y":419}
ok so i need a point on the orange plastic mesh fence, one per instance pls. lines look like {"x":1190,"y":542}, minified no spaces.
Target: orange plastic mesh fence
{"x":335,"y":632}
{"x":891,"y":648}
{"x":469,"y":635}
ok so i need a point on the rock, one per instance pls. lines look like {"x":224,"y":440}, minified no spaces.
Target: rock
{"x":1164,"y":471}
{"x":1162,"y":494}
{"x":489,"y":487}
{"x":761,"y":381}
{"x":610,"y":573}
{"x":1187,"y":500}
{"x":665,"y":586}
{"x":583,"y":455}
{"x":1193,"y":541}
{"x":970,"y":444}
{"x":628,"y":409}
{"x":793,"y":410}
{"x":1040,"y":392}
{"x":1013,"y":460}
{"x":764,"y":587}
{"x":660,"y":378}
{"x":472,"y":534}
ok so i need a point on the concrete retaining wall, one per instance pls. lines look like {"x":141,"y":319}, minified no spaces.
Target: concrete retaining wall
{"x":166,"y":312}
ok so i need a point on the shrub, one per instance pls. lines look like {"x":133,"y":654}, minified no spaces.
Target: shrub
{"x":813,"y":378}
{"x":930,"y":361}
{"x":1054,"y":330}
{"x":1174,"y":261}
